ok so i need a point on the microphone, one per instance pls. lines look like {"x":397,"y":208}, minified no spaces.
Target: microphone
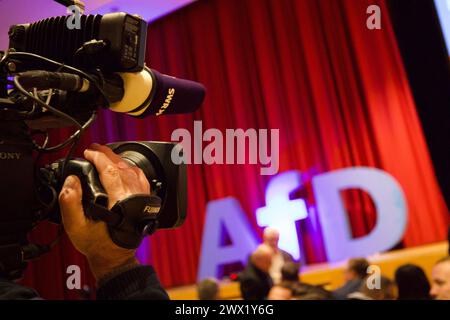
{"x":150,"y":92}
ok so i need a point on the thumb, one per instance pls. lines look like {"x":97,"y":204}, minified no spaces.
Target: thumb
{"x":70,"y":203}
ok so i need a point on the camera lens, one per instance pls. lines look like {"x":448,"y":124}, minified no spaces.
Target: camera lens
{"x":137,"y":159}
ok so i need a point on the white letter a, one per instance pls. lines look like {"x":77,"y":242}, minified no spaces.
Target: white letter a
{"x":74,"y":280}
{"x":374,"y":21}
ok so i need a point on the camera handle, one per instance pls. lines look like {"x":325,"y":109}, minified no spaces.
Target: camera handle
{"x":129,"y":220}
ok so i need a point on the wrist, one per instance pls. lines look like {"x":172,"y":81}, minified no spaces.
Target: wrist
{"x":104,"y":269}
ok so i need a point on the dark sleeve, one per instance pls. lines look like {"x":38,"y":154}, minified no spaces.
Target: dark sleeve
{"x":12,"y":291}
{"x":250,"y":289}
{"x":448,"y":236}
{"x":340,"y":294}
{"x":348,"y":288}
{"x":138,"y":283}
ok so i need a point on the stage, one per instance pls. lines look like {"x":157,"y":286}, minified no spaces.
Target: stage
{"x":331,"y":274}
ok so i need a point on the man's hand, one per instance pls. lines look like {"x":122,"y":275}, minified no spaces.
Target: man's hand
{"x":91,"y":238}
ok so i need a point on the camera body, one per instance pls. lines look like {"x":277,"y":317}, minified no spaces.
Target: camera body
{"x":124,"y":38}
{"x":17,"y":196}
{"x":28,"y":193}
{"x":167,"y":180}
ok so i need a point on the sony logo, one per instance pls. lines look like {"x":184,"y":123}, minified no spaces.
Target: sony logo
{"x":10,"y":155}
{"x":167,"y":102}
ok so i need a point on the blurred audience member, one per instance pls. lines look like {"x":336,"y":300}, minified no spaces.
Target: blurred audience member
{"x":440,"y":288}
{"x":208,"y":289}
{"x":289,"y":280}
{"x":354,"y":274}
{"x":290,"y":286}
{"x":306,"y":291}
{"x":316,"y":293}
{"x":412,"y":283}
{"x":386,"y":291}
{"x":280,"y":292}
{"x":271,"y":237}
{"x":290,"y":273}
{"x":448,"y":240}
{"x":255,"y":280}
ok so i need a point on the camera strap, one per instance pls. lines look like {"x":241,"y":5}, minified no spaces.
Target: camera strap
{"x":130,"y":219}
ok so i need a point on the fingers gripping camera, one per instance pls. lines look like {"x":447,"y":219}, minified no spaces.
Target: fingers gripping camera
{"x":131,"y":219}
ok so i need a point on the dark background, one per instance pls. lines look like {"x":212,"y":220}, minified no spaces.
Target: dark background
{"x":417,"y":28}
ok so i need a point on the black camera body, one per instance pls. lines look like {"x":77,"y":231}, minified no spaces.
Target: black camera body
{"x":124,"y":37}
{"x":58,"y":63}
{"x":28,"y":194}
{"x":17,"y":196}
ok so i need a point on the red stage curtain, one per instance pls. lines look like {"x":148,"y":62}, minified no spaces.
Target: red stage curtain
{"x":336,"y":90}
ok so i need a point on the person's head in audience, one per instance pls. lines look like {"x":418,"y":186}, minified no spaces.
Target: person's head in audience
{"x":440,"y":287}
{"x":261,"y":258}
{"x":208,"y":289}
{"x":290,"y":272}
{"x":385,"y":289}
{"x":280,"y":292}
{"x":271,"y":237}
{"x":289,"y":279}
{"x":356,"y":269}
{"x":412,"y":283}
{"x":313,"y":296}
{"x":311,"y":292}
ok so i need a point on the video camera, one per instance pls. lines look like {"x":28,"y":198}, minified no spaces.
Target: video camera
{"x":52,"y":77}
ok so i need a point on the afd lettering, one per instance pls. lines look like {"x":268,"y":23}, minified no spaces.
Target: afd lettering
{"x":166,"y":104}
{"x":10,"y":156}
{"x":329,"y":213}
